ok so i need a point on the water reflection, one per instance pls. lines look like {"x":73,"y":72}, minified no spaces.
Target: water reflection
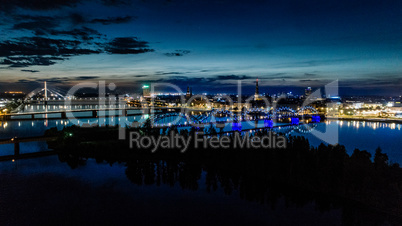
{"x":29,"y":128}
{"x":235,"y":179}
{"x":43,"y":190}
{"x":372,"y":125}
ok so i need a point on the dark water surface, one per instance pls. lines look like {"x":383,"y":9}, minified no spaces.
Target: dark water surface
{"x":352,"y":134}
{"x":45,"y":190}
{"x":79,"y":191}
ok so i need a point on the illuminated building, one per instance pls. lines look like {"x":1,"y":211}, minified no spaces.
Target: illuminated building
{"x":257,"y":94}
{"x":145,"y":91}
{"x":308,"y":91}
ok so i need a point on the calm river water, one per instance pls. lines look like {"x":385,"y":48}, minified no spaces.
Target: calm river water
{"x":54,"y":190}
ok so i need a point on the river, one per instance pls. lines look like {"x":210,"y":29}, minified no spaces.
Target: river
{"x":352,"y":134}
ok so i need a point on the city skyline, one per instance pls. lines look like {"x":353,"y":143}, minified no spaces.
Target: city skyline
{"x":289,"y":46}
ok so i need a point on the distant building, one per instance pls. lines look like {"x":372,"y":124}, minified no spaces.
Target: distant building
{"x":357,"y":105}
{"x":145,"y":91}
{"x":257,"y":94}
{"x":147,"y":103}
{"x":189,"y":93}
{"x":12,"y":95}
{"x":394,"y":104}
{"x":308,"y":91}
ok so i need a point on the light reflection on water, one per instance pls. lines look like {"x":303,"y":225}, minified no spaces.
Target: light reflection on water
{"x":100,"y":193}
{"x":353,"y":134}
{"x":31,"y":128}
{"x":365,"y":136}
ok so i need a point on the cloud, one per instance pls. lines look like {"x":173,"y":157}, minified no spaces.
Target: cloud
{"x":313,"y":63}
{"x":116,"y":2}
{"x":81,"y":78}
{"x":32,"y":71}
{"x":46,"y":25}
{"x":184,"y":80}
{"x":178,"y":53}
{"x":76,"y":18}
{"x":51,"y":80}
{"x":40,"y":25}
{"x":26,"y":81}
{"x":127,"y":45}
{"x":112,"y":20}
{"x":65,"y":79}
{"x":168,"y":73}
{"x":52,"y":39}
{"x":42,"y":46}
{"x":233,"y":77}
{"x":56,"y":79}
{"x":37,"y":5}
{"x":29,"y":61}
{"x":310,"y":74}
{"x":84,"y":33}
{"x":28,"y":51}
{"x":388,"y":80}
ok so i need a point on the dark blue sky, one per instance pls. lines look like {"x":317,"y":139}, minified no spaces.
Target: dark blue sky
{"x":210,"y":45}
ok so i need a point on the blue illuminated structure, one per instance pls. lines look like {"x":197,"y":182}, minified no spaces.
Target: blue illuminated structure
{"x":268,"y":123}
{"x":236,"y":126}
{"x":315,"y":118}
{"x":294,"y":121}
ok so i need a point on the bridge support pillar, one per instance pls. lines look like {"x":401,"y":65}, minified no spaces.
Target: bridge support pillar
{"x":94,"y":114}
{"x":17,"y":148}
{"x":147,"y":111}
{"x":63,"y":115}
{"x":124,"y":112}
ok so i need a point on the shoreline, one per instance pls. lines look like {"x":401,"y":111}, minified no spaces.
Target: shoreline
{"x":385,"y":120}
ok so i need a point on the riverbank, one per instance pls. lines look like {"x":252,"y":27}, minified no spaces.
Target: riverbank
{"x":367,"y":119}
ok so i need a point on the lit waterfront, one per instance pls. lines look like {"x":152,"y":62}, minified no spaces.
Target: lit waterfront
{"x":353,"y":134}
{"x":200,"y":112}
{"x":61,"y":107}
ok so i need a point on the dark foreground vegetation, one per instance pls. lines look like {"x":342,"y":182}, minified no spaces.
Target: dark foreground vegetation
{"x":367,"y":188}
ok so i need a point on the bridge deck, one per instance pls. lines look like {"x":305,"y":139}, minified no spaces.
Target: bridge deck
{"x":95,"y":113}
{"x":87,"y":110}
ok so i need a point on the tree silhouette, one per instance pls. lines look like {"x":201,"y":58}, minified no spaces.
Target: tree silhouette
{"x":299,"y":173}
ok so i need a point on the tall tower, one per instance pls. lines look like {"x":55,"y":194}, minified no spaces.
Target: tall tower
{"x":308,"y":91}
{"x":45,"y":91}
{"x":145,"y":91}
{"x":257,"y":94}
{"x":188,"y":95}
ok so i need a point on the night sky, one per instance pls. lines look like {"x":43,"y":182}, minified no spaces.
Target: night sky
{"x":209,"y":45}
